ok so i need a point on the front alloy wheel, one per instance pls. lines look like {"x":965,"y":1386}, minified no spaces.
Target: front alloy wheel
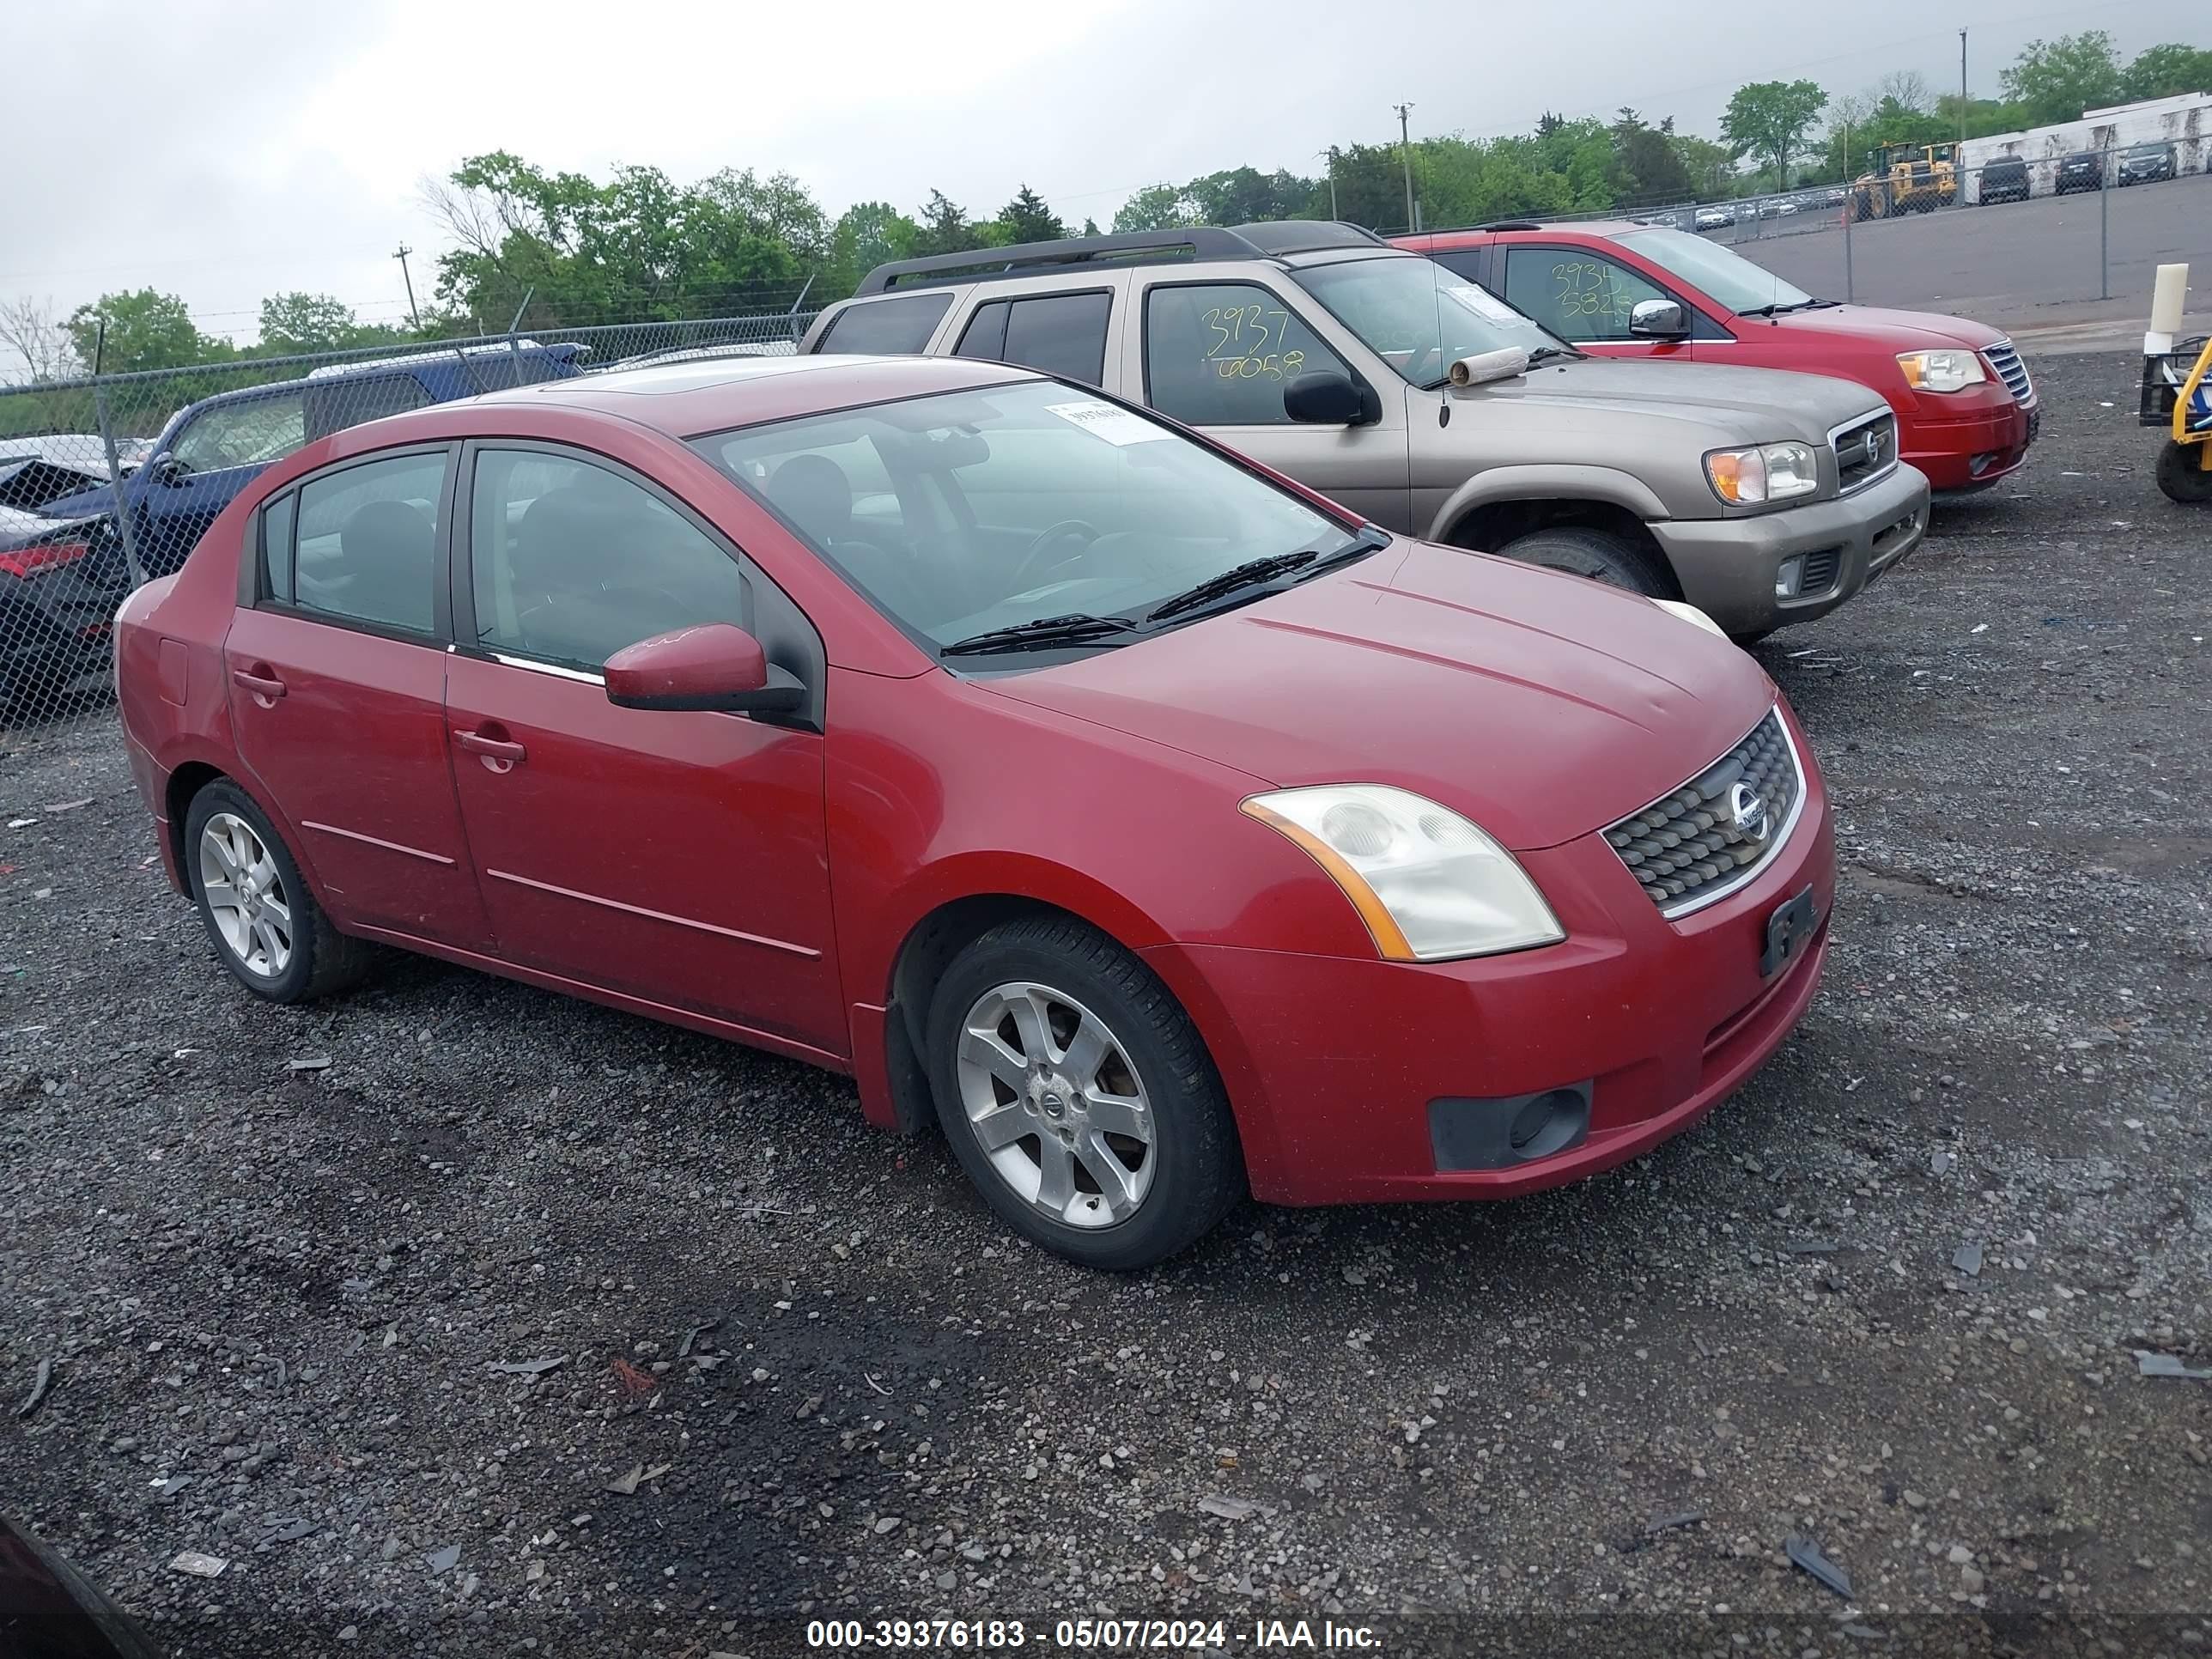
{"x":1055,"y":1104}
{"x":246,"y":895}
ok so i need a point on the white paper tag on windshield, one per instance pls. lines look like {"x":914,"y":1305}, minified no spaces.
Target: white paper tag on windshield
{"x":1483,"y":303}
{"x":1115,"y":426}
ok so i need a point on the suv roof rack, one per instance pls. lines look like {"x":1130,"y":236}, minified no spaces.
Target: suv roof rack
{"x":1270,"y":240}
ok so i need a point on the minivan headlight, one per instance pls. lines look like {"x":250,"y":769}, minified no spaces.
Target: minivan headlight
{"x":1429,"y":884}
{"x":1772,"y":472}
{"x":1941,"y":371}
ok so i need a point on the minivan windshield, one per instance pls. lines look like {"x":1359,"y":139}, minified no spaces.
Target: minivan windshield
{"x":963,"y":514}
{"x":1727,"y":276}
{"x":1420,"y":317}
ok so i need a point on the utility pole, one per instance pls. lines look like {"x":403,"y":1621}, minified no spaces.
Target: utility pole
{"x":402,"y":257}
{"x":1406,"y":153}
{"x":1959,"y":159}
{"x":1329,"y":155}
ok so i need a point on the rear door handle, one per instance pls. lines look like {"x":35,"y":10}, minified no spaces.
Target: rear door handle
{"x":492,"y":749}
{"x":262,"y":685}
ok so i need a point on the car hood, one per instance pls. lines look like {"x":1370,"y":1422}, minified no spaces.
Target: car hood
{"x":1891,"y":331}
{"x":1756,"y":405}
{"x":19,"y":523}
{"x":1543,"y":707}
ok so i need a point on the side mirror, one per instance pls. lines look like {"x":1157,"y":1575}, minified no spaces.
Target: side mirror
{"x":1658,"y":319}
{"x":1328,"y":397}
{"x":167,"y":468}
{"x":714,"y":667}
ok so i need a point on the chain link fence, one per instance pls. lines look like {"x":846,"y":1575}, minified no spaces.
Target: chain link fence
{"x":108,"y":482}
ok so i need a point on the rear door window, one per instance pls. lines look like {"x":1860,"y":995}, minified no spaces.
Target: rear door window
{"x":1061,"y":334}
{"x":368,"y":541}
{"x":886,"y":327}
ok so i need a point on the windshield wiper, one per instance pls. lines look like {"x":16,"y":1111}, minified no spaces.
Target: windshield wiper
{"x":1251,"y":573}
{"x":1777,"y":309}
{"x":1368,"y":538}
{"x":1544,"y":354}
{"x":1040,"y":634}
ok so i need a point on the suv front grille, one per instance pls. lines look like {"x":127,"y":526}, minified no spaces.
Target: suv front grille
{"x":2013,"y":372}
{"x":1865,"y":449}
{"x":1689,"y":849}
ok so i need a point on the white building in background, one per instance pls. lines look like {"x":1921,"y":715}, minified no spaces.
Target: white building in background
{"x":2185,"y":122}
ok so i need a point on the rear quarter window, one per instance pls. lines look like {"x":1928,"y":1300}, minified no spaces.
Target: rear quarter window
{"x":893,"y":327}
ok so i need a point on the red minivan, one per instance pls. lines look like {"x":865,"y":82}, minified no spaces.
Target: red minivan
{"x":1153,"y":826}
{"x":1966,"y":407}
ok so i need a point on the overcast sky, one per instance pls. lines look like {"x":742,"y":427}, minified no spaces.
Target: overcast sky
{"x":228,"y":149}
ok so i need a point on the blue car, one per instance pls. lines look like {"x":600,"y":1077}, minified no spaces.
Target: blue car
{"x":212,"y":449}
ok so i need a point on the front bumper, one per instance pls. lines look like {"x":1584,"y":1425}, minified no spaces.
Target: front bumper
{"x":1963,"y":445}
{"x":1332,"y":1063}
{"x":1727,"y":567}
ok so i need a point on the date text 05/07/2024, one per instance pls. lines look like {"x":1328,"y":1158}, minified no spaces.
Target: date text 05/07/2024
{"x":1107,"y":1635}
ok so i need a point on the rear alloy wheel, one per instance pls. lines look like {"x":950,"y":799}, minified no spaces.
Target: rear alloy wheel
{"x":266,"y":926}
{"x":2181,"y":472}
{"x":1596,"y":554}
{"x":1076,"y":1096}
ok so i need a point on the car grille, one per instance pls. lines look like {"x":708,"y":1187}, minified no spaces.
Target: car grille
{"x":1686,"y":849}
{"x":1864,"y":451}
{"x":2013,"y":372}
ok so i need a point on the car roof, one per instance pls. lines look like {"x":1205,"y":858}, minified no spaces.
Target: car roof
{"x":1281,"y":242}
{"x":685,"y":399}
{"x":1475,"y":235}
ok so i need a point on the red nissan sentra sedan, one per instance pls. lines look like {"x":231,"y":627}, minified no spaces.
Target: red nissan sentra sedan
{"x":1150,"y":824}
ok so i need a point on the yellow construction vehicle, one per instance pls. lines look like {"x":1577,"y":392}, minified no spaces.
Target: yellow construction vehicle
{"x":1907,"y":179}
{"x":2177,"y":392}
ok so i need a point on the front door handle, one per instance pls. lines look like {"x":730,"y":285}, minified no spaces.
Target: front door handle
{"x":498,"y":754}
{"x":267,"y":687}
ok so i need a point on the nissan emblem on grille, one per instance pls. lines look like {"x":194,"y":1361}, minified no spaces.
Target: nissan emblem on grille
{"x":1748,"y":808}
{"x":1717,"y":830}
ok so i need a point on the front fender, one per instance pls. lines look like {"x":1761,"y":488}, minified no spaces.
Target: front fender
{"x":1563,"y":482}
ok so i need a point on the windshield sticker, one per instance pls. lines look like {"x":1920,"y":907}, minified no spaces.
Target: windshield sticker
{"x":1116,"y":426}
{"x":1485,"y":305}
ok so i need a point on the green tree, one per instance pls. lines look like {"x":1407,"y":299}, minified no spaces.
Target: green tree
{"x":1028,"y":218}
{"x":1708,"y":167}
{"x":943,"y":227}
{"x":1650,"y":165}
{"x":2167,"y":70}
{"x":2055,"y":81}
{"x":293,"y":323}
{"x":1155,"y":207}
{"x":1769,"y":119}
{"x":866,"y":235}
{"x":1244,"y":196}
{"x":145,"y":329}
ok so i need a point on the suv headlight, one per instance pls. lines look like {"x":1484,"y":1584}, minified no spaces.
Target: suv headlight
{"x":1772,"y":472}
{"x":1429,"y":884}
{"x":1941,"y":371}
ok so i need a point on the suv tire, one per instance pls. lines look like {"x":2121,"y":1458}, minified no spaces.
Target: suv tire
{"x":2180,"y":476}
{"x":1598,"y":554}
{"x":1013,"y":1069}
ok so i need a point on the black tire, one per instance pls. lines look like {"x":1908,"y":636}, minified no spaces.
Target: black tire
{"x":1198,"y":1172}
{"x":2181,"y":473}
{"x":1747,"y":641}
{"x":321,"y":961}
{"x":1599,"y":555}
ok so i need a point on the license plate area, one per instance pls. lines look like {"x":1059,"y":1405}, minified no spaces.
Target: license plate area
{"x":1789,"y":929}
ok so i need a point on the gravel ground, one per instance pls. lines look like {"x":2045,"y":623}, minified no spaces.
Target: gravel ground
{"x":798,"y":1371}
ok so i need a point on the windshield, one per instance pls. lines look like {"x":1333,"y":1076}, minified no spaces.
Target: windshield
{"x":1728,"y":277}
{"x":967,"y":512}
{"x":1420,"y":317}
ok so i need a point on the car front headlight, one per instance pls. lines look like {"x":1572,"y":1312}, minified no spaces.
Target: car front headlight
{"x":1941,"y":371}
{"x":1691,"y":615}
{"x":1772,"y":472}
{"x":1429,"y":884}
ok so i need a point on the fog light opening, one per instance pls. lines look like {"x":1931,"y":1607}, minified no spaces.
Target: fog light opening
{"x":1787,"y":577}
{"x":1547,"y":1123}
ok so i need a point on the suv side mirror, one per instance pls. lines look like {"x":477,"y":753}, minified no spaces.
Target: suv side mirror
{"x":714,"y":667}
{"x":167,"y":468}
{"x":1328,"y":397}
{"x":1658,"y":319}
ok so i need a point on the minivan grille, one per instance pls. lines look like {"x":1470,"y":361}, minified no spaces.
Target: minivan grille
{"x":1865,"y":449}
{"x":2013,"y":372}
{"x":1695,"y":846}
